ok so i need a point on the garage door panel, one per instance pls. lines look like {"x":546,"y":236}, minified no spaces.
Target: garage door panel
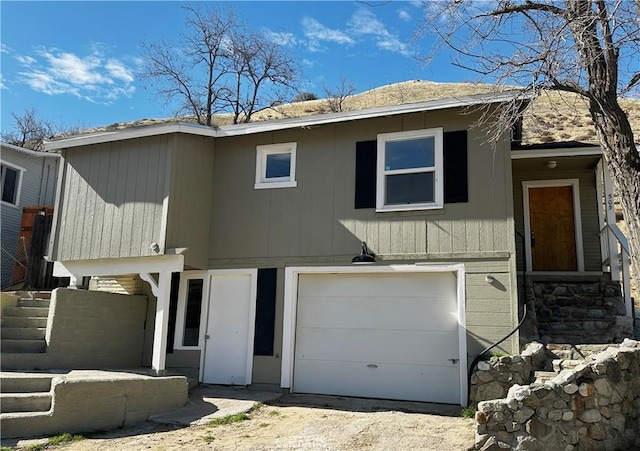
{"x":378,"y":312}
{"x":434,"y":284}
{"x":386,"y":335}
{"x":378,"y":346}
{"x":405,"y":382}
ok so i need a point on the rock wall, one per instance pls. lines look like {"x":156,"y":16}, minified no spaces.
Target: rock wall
{"x":594,"y":406}
{"x":492,"y":379}
{"x":579,"y":312}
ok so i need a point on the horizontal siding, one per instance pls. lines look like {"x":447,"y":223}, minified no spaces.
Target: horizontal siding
{"x":38,"y":188}
{"x":579,"y":168}
{"x":112,"y":200}
{"x":318,"y":218}
{"x":190,"y":212}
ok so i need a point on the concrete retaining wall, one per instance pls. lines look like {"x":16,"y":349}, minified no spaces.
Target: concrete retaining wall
{"x":85,"y":401}
{"x":89,"y":329}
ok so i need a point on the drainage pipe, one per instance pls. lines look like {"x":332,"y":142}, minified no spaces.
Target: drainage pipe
{"x":477,"y":359}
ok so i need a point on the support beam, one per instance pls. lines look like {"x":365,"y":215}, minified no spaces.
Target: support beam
{"x":161,"y":328}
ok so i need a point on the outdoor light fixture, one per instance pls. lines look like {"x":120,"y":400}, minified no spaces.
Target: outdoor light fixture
{"x":551,"y":164}
{"x":365,"y":256}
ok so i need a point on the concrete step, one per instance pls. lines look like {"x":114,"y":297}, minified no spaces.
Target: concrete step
{"x":27,"y":361}
{"x":23,"y":333}
{"x":31,"y":312}
{"x":41,"y":303}
{"x":542,"y":376}
{"x":22,"y":346}
{"x":33,"y":294}
{"x":25,"y":402}
{"x":565,"y":364}
{"x":25,"y":382}
{"x":24,"y":321}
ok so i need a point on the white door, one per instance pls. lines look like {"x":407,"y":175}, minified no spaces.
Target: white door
{"x":228,"y":353}
{"x":378,"y":335}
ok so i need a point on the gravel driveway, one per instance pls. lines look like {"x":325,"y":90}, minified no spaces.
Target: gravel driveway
{"x":302,"y":422}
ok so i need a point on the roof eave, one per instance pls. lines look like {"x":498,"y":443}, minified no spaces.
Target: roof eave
{"x":283,"y":124}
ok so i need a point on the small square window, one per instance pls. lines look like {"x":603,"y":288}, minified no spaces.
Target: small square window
{"x":409,"y":173}
{"x":276,"y":166}
{"x":10,"y":180}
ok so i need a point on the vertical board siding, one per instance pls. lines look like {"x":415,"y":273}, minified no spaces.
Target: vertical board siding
{"x":111,"y":201}
{"x":584,"y":171}
{"x":318,"y":217}
{"x":190,"y":203}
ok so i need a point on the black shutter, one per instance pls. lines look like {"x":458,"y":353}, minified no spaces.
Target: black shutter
{"x":366,"y":157}
{"x":265,"y":312}
{"x":456,"y":185}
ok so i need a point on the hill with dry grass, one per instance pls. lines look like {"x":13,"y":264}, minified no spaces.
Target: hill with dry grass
{"x":553,"y":116}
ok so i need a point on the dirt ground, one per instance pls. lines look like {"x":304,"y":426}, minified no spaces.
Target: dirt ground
{"x":287,"y":424}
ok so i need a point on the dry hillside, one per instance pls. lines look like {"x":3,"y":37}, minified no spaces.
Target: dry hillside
{"x":554,"y":116}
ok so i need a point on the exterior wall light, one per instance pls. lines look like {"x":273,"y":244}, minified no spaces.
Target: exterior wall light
{"x":551,"y":164}
{"x":365,"y":256}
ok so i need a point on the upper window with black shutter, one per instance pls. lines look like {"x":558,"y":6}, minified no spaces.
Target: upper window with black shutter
{"x":409,"y":173}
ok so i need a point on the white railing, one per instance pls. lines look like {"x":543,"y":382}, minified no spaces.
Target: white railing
{"x":618,"y":260}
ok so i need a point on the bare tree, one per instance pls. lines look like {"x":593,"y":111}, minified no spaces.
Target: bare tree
{"x":218,"y":66}
{"x":30,"y":130}
{"x":586,"y":47}
{"x":336,"y":97}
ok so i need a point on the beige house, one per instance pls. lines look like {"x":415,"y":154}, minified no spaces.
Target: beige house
{"x":246,"y":235}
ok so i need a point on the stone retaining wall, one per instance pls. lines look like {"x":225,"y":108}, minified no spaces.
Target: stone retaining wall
{"x":594,"y":406}
{"x":579,"y":312}
{"x":492,"y":379}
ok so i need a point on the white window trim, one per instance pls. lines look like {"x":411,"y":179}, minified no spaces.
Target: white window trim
{"x":261,"y":167}
{"x":21,"y":172}
{"x":383,"y":138}
{"x":181,"y":314}
{"x":577,"y":218}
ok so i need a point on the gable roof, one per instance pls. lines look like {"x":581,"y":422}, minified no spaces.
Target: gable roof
{"x":283,"y":124}
{"x":31,"y":153}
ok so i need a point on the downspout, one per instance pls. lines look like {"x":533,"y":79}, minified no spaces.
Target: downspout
{"x":477,"y":359}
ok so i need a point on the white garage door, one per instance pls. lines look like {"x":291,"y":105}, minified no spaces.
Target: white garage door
{"x":381,"y":335}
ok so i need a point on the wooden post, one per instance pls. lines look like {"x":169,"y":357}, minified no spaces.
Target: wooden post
{"x":163,"y":295}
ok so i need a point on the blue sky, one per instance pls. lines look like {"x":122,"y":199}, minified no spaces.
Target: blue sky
{"x":79,"y":62}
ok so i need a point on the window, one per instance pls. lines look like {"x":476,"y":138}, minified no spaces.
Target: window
{"x":192,"y":315}
{"x":265,"y":311}
{"x":11,"y":178}
{"x":276,"y":166}
{"x":409,"y":171}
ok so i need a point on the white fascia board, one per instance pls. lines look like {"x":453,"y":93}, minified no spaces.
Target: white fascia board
{"x":31,"y":153}
{"x":329,"y":118}
{"x":119,"y":266}
{"x":552,"y":153}
{"x":282,"y":124}
{"x":130,"y":133}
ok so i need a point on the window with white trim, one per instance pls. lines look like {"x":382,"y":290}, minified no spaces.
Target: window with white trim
{"x":409,"y":172}
{"x":10,"y":180}
{"x":276,"y":166}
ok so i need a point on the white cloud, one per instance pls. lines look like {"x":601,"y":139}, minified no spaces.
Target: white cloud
{"x":317,"y":33}
{"x":4,"y":48}
{"x":281,"y":37}
{"x":403,"y":14}
{"x":118,"y":70}
{"x":365,"y":23}
{"x":2,"y":85}
{"x":25,"y":60}
{"x":93,"y":77}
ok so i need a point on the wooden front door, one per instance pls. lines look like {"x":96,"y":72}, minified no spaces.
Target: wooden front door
{"x":553,"y":229}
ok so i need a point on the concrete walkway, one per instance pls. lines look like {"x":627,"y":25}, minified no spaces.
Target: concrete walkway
{"x":207,"y":402}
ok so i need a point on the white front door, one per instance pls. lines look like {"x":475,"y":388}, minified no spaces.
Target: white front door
{"x":228,"y":352}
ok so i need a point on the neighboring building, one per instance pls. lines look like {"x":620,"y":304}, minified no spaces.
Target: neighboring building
{"x":247,"y":232}
{"x":28,"y":179}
